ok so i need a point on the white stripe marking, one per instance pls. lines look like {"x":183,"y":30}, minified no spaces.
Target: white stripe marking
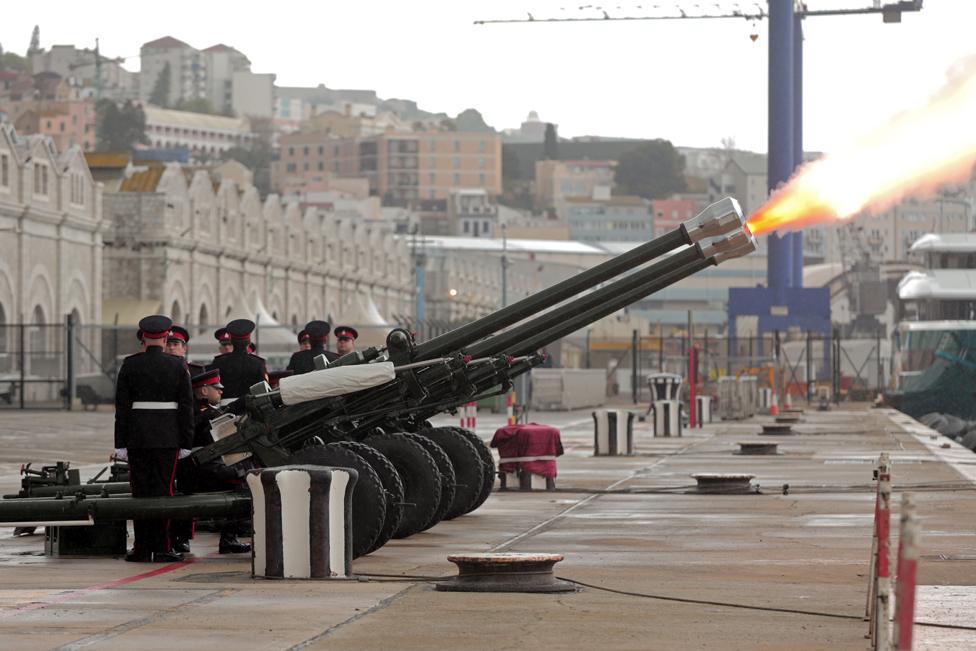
{"x":294,"y":487}
{"x":260,"y":541}
{"x":337,"y":522}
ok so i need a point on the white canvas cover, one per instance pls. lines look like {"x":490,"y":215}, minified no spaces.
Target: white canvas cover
{"x":337,"y":381}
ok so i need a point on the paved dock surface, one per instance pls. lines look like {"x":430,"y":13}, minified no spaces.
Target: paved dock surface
{"x":770,"y":570}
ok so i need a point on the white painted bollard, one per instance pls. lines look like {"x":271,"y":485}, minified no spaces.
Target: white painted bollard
{"x":667,"y":418}
{"x":613,"y":432}
{"x":704,"y":411}
{"x":302,"y":522}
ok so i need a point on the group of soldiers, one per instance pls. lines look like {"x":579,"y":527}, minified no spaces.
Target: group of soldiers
{"x":163,"y":408}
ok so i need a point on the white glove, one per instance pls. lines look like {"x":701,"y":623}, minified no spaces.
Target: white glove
{"x":184,"y":453}
{"x":120,"y":454}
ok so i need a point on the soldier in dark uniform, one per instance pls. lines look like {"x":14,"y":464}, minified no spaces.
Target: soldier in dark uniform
{"x":177,"y":344}
{"x":303,"y":360}
{"x":224,"y":344}
{"x":239,"y":369}
{"x":304,"y":341}
{"x":153,"y":421}
{"x":212,"y":476}
{"x":346,"y":337}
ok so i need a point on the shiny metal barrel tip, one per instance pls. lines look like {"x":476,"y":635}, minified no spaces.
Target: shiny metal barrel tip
{"x":721,"y":217}
{"x":736,"y":245}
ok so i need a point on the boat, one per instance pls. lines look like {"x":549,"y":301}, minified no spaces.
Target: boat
{"x":935,"y":343}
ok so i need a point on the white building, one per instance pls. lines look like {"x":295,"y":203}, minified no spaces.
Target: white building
{"x":252,"y":94}
{"x":223,"y":62}
{"x":204,"y":135}
{"x":50,"y":244}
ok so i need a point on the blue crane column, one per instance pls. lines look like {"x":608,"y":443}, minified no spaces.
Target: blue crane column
{"x":784,"y":303}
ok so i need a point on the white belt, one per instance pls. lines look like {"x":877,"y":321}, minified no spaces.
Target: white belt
{"x":523,"y":459}
{"x":226,"y":401}
{"x":155,"y":405}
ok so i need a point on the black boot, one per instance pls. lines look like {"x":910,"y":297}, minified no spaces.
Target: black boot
{"x":182,"y":546}
{"x":229,"y":544}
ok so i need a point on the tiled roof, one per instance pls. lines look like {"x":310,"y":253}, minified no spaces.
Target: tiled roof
{"x":220,"y":47}
{"x":143,"y":181}
{"x":106,"y":160}
{"x":187,"y":119}
{"x":164,"y":42}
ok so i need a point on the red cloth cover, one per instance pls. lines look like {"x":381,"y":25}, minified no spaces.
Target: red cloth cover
{"x":532,"y":440}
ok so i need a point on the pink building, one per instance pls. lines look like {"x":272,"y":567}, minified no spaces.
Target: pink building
{"x":67,"y":123}
{"x":669,"y":213}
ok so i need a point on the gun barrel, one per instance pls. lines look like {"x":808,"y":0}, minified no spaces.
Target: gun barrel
{"x":721,"y":217}
{"x":742,"y":244}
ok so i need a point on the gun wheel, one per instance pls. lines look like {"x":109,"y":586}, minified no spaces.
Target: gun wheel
{"x":421,"y":480}
{"x":448,"y":478}
{"x":484,"y":452}
{"x":392,"y":483}
{"x":469,"y":469}
{"x":368,"y":496}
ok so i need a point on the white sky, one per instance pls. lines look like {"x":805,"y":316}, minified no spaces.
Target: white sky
{"x":693,"y":82}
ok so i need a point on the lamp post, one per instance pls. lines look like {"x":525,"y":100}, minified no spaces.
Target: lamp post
{"x":504,"y":268}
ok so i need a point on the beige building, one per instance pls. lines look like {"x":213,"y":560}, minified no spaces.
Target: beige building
{"x":50,"y":238}
{"x":204,"y":254}
{"x":557,"y":180}
{"x":401,"y":167}
{"x":187,"y":70}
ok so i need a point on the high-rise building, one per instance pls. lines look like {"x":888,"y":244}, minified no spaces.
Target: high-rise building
{"x":187,"y":70}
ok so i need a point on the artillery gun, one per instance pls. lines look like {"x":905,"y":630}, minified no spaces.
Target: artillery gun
{"x":369,"y":409}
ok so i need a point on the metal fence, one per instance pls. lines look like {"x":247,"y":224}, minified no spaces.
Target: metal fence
{"x":68,"y":364}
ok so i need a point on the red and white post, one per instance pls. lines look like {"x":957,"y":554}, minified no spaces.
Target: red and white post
{"x":907,"y":573}
{"x":881,"y":575}
{"x":510,"y":407}
{"x":469,"y":416}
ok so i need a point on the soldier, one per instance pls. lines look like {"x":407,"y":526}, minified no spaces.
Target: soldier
{"x":239,"y":369}
{"x":304,"y":341}
{"x":210,"y":477}
{"x":303,"y":360}
{"x":346,"y":337}
{"x":177,"y":345}
{"x":224,"y":344}
{"x":153,"y":422}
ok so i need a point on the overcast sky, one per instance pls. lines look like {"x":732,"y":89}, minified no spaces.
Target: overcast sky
{"x":693,"y":82}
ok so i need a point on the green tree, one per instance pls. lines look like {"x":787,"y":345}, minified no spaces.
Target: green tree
{"x":654,"y":170}
{"x":471,"y":120}
{"x":196,"y":105}
{"x":35,"y":44}
{"x":550,"y":145}
{"x":160,"y":91}
{"x":120,"y":128}
{"x":13,"y":62}
{"x":510,"y":164}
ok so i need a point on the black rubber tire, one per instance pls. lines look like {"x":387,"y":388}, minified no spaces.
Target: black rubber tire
{"x":392,"y":483}
{"x":488,"y":479}
{"x":448,"y":478}
{"x":420,"y":476}
{"x":368,"y":496}
{"x":469,"y":470}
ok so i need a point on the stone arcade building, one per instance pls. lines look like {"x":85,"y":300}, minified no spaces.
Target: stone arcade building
{"x":50,"y":243}
{"x":206,"y":253}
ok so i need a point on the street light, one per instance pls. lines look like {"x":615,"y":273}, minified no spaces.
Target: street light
{"x":452,"y":292}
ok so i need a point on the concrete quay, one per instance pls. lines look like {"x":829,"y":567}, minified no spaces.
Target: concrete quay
{"x":772,"y":569}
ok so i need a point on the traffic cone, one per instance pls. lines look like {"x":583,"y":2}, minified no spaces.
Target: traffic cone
{"x":788,"y":401}
{"x":774,"y":405}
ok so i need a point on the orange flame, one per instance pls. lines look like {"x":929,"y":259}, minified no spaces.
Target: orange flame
{"x":911,"y":155}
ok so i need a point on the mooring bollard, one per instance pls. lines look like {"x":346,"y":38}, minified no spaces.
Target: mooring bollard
{"x":704,"y":404}
{"x":613,"y":432}
{"x":302,"y":522}
{"x":907,"y":569}
{"x":667,"y":418}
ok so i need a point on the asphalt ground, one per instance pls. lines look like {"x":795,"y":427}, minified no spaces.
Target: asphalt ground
{"x":668,"y":568}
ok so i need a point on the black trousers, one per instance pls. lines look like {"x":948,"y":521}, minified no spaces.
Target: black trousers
{"x":209,"y":478}
{"x":151,"y":473}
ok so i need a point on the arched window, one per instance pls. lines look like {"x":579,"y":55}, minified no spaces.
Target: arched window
{"x":37,"y":340}
{"x":175,"y":312}
{"x":204,"y":316}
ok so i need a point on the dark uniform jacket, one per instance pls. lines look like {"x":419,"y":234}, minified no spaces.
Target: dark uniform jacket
{"x":303,"y":360}
{"x":153,"y":377}
{"x":239,"y":371}
{"x":201,"y":426}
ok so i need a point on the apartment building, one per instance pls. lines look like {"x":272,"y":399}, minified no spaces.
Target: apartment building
{"x":555,"y":180}
{"x":401,"y":167}
{"x":67,"y":123}
{"x":78,"y":65}
{"x":609,"y":219}
{"x":669,"y":213}
{"x":187,"y":70}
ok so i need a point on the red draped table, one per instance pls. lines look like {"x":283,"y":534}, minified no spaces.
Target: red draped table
{"x":528,"y":450}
